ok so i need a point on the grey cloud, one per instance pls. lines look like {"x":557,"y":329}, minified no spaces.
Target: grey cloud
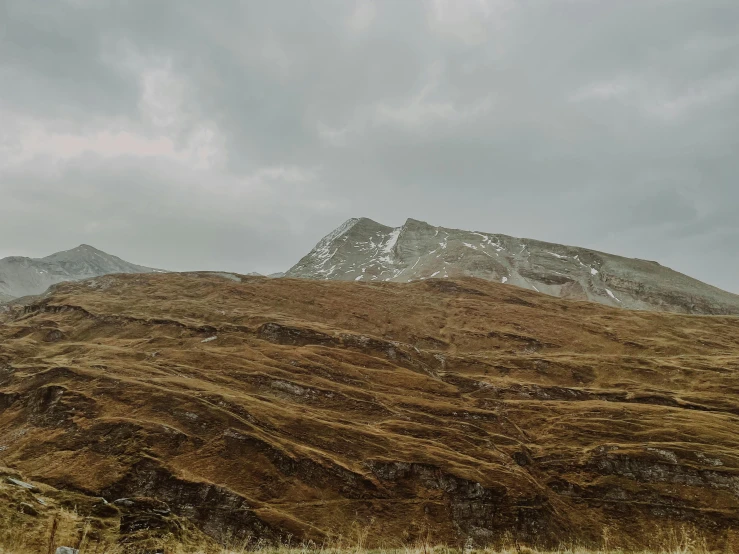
{"x":605,"y":124}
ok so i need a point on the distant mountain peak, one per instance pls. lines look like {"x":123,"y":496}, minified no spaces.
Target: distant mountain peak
{"x":364,"y":250}
{"x":21,"y":276}
{"x":88,"y":248}
{"x":410,"y":222}
{"x":79,"y":252}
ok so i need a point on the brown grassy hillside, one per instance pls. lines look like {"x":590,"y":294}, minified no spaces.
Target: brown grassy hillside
{"x":453,"y":411}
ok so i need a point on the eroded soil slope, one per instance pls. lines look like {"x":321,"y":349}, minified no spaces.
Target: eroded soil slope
{"x":448,"y":409}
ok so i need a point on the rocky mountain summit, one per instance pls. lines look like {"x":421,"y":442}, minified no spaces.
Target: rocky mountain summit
{"x":21,"y":276}
{"x":364,"y":250}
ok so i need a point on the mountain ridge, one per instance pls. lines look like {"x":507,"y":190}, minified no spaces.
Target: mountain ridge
{"x":24,"y":276}
{"x":364,"y":250}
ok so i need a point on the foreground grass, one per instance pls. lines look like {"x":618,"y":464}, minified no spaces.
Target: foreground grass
{"x":178,"y":549}
{"x":14,"y":543}
{"x":42,"y":533}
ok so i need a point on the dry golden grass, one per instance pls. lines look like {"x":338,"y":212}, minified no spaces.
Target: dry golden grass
{"x":384,"y":413}
{"x":681,"y":545}
{"x":68,"y":529}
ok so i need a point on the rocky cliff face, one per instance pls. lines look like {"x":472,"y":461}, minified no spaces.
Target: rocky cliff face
{"x":363,"y":250}
{"x":20,"y":276}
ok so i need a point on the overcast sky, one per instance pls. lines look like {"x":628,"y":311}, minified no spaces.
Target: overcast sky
{"x":235,"y":134}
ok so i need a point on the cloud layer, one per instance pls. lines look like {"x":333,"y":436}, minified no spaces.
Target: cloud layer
{"x":234,"y":134}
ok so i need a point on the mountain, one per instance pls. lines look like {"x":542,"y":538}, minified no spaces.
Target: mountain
{"x":21,"y":276}
{"x":364,"y":250}
{"x":460,"y":412}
